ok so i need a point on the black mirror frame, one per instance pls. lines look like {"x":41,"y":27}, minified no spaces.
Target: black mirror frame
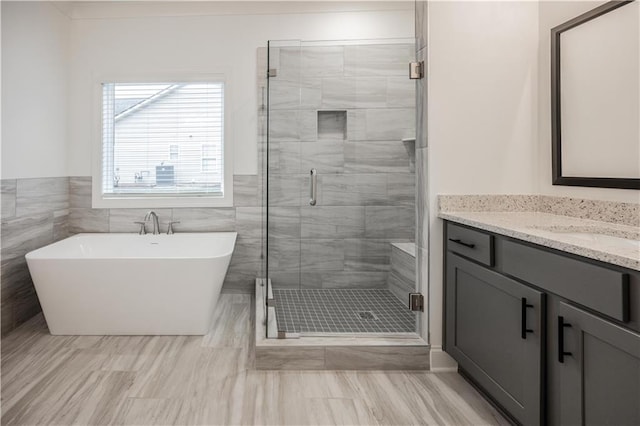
{"x":556,"y":136}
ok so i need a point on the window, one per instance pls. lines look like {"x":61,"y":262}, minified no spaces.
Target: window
{"x":173,"y":152}
{"x":162,"y":141}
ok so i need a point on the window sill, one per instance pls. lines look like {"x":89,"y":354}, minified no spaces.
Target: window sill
{"x":131,"y":202}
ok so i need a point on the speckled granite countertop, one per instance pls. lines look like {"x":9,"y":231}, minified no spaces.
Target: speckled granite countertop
{"x":609,"y":242}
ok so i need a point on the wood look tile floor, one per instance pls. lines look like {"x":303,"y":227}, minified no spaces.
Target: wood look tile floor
{"x":210,"y":380}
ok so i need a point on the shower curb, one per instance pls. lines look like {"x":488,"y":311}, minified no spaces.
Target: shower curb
{"x":335,"y":353}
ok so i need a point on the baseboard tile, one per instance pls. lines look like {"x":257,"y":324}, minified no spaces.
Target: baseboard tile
{"x":441,"y":362}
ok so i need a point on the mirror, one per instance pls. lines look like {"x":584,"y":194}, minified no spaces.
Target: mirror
{"x":595,"y":92}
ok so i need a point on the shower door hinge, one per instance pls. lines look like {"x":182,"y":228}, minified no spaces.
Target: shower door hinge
{"x":272,"y":72}
{"x":416,"y":302}
{"x":416,"y":70}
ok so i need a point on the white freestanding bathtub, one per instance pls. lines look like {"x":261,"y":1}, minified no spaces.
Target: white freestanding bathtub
{"x":128,"y":284}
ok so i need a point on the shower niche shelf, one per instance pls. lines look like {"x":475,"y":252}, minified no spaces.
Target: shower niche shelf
{"x":332,"y":125}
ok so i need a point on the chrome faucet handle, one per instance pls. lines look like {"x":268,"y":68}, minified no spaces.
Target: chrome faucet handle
{"x":170,"y":229}
{"x":143,"y":228}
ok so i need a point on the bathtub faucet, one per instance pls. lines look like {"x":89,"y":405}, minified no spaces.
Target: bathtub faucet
{"x":156,"y":225}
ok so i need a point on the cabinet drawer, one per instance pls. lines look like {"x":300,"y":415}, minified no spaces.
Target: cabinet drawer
{"x":596,"y":287}
{"x":470,"y":243}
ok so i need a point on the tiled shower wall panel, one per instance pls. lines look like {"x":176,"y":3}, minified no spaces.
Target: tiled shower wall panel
{"x":366,"y":179}
{"x":244,"y":218}
{"x":34,"y":213}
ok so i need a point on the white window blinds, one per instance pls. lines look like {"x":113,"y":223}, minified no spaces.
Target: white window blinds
{"x":163,"y":139}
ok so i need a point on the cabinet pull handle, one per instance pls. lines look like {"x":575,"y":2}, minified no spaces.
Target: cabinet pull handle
{"x":459,"y":241}
{"x":523,"y":323}
{"x":561,"y":351}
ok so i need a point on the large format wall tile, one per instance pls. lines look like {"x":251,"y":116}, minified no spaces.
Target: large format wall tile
{"x":371,"y":92}
{"x":8,"y":195}
{"x":284,"y":254}
{"x":284,"y":126}
{"x":352,"y":189}
{"x":366,"y":254}
{"x":322,"y":61}
{"x":401,"y":92}
{"x":80,"y":192}
{"x":204,"y":219}
{"x":286,"y":60}
{"x":381,"y":124}
{"x":322,"y":255}
{"x":375,"y":157}
{"x":324,"y":156}
{"x":390,"y":221}
{"x":286,"y":279}
{"x":60,"y":225}
{"x":332,"y":222}
{"x":245,"y":265}
{"x":41,"y":195}
{"x":344,"y":279}
{"x":284,"y":93}
{"x":390,"y":124}
{"x":338,"y":93}
{"x":377,"y":60}
{"x":248,"y":222}
{"x":292,"y":125}
{"x":88,"y":220}
{"x":23,"y":234}
{"x":286,"y":190}
{"x":402,"y":277}
{"x":284,"y":222}
{"x":401,"y":189}
{"x":34,"y":214}
{"x":284,"y":158}
{"x":246,"y":191}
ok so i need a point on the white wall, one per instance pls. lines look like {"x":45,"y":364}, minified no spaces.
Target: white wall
{"x":482,"y":119}
{"x":35,"y":70}
{"x":207,"y":44}
{"x":553,"y":13}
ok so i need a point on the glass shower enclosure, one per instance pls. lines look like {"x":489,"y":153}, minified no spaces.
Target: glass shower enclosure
{"x":340,"y":188}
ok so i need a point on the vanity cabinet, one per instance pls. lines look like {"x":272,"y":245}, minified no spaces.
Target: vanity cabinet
{"x":550,"y":338}
{"x":599,"y":370}
{"x":495,"y":333}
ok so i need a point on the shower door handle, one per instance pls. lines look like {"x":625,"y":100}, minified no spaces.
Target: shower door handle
{"x":313,"y":187}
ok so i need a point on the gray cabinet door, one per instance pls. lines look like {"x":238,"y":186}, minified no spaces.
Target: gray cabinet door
{"x":600,"y":371}
{"x":494,"y":329}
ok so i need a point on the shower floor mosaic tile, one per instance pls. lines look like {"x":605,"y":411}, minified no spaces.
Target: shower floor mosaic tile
{"x":341,"y":311}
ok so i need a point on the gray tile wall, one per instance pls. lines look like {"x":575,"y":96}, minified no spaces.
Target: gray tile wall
{"x":35,"y":213}
{"x":38,"y":212}
{"x":244,"y":217}
{"x":366,"y":179}
{"x":402,"y":278}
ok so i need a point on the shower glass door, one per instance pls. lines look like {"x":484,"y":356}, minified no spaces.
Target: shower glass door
{"x":341,"y":186}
